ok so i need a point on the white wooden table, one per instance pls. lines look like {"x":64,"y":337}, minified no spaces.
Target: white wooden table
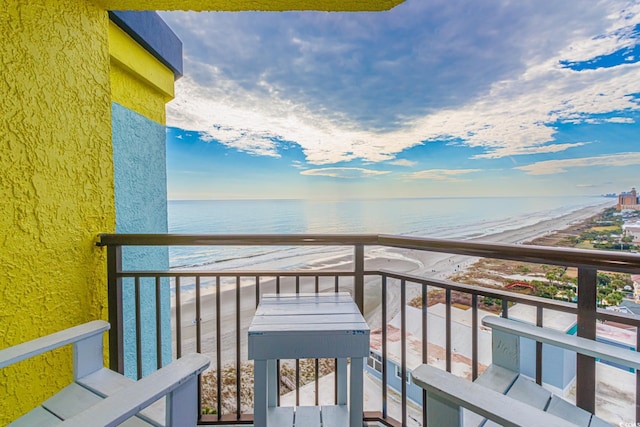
{"x":300,"y":326}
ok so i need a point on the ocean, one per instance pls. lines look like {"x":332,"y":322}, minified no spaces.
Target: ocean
{"x":453,"y":218}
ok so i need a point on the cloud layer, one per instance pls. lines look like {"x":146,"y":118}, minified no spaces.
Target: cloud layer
{"x":490,"y":75}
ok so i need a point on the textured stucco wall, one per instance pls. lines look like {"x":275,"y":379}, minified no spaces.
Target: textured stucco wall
{"x":141,"y":207}
{"x":56,"y":183}
{"x":57,"y":170}
{"x":139,"y":81}
{"x":134,"y":94}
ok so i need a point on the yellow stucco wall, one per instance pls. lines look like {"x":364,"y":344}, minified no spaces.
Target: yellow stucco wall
{"x":56,"y":167}
{"x":138,"y":80}
{"x":56,"y":183}
{"x":239,"y":5}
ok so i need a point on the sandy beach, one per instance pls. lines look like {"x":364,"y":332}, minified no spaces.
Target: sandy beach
{"x":422,"y":263}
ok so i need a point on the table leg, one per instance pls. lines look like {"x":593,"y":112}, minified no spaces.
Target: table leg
{"x":356,"y":409}
{"x":260,"y":393}
{"x":272,"y":384}
{"x":341,"y":377}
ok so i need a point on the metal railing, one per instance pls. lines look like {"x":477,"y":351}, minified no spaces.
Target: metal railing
{"x":587,"y":262}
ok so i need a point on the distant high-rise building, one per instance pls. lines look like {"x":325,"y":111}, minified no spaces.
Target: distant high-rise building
{"x":628,"y":200}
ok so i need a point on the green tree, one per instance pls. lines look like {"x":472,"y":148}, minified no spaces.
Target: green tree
{"x":554,"y":275}
{"x":614,"y":298}
{"x":603,"y":279}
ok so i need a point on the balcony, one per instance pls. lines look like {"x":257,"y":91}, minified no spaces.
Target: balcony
{"x":212,"y":309}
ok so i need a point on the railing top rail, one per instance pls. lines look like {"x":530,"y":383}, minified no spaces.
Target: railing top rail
{"x":582,"y":258}
{"x":236,"y":239}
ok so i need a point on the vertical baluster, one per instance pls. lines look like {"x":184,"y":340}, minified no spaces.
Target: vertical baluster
{"x":297,"y":291}
{"x":198,"y":317}
{"x":178,"y":320}
{"x":238,"y":361}
{"x":297,"y":382}
{"x":336,"y":289}
{"x":448,"y":329}
{"x":425,"y":348}
{"x":474,"y":337}
{"x":317,"y":365}
{"x":403,"y":349}
{"x":358,"y":282}
{"x":218,"y":350}
{"x":158,"y":323}
{"x":199,"y":341}
{"x":257,"y":291}
{"x":138,"y":310}
{"x":384,"y":346}
{"x":505,"y":308}
{"x":539,"y":314}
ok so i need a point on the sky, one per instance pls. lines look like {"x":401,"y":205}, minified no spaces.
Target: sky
{"x":438,"y":98}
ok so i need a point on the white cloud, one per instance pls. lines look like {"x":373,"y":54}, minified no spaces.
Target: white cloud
{"x":549,"y":167}
{"x":625,"y":120}
{"x":247,"y":140}
{"x":298,"y":164}
{"x":403,"y":162}
{"x":346,"y":173}
{"x":449,"y":175}
{"x":516,"y":115}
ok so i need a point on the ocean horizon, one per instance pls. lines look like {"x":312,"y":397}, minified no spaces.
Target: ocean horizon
{"x":442,"y":217}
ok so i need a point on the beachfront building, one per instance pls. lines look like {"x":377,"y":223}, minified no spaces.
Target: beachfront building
{"x":559,"y":366}
{"x":632,"y":229}
{"x":436,"y":327}
{"x":628,"y":201}
{"x":82,"y":125}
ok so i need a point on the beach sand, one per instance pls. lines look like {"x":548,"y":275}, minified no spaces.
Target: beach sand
{"x":426,"y":264}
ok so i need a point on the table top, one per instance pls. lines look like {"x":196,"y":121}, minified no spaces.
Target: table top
{"x":302,"y":322}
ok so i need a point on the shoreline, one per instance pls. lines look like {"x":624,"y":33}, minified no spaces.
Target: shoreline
{"x":427,"y":264}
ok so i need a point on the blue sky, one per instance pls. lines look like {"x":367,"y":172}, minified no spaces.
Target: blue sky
{"x":433,"y":98}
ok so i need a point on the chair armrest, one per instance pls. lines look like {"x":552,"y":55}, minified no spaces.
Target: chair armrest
{"x":481,"y":400}
{"x":580,"y":345}
{"x":121,"y":406}
{"x":47,"y":343}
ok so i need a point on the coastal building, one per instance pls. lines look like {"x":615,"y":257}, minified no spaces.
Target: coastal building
{"x":436,"y":327}
{"x":628,"y":200}
{"x":82,"y":125}
{"x":559,"y":365}
{"x":632,"y":229}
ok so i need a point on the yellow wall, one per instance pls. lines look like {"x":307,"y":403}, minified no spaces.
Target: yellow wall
{"x":138,"y":80}
{"x":56,"y":167}
{"x":56,"y":183}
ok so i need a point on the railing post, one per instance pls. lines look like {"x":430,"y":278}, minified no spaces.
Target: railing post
{"x":585,"y":365}
{"x":358,"y":284}
{"x":114,"y":301}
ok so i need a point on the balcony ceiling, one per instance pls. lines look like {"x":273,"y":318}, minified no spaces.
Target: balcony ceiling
{"x":260,"y":5}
